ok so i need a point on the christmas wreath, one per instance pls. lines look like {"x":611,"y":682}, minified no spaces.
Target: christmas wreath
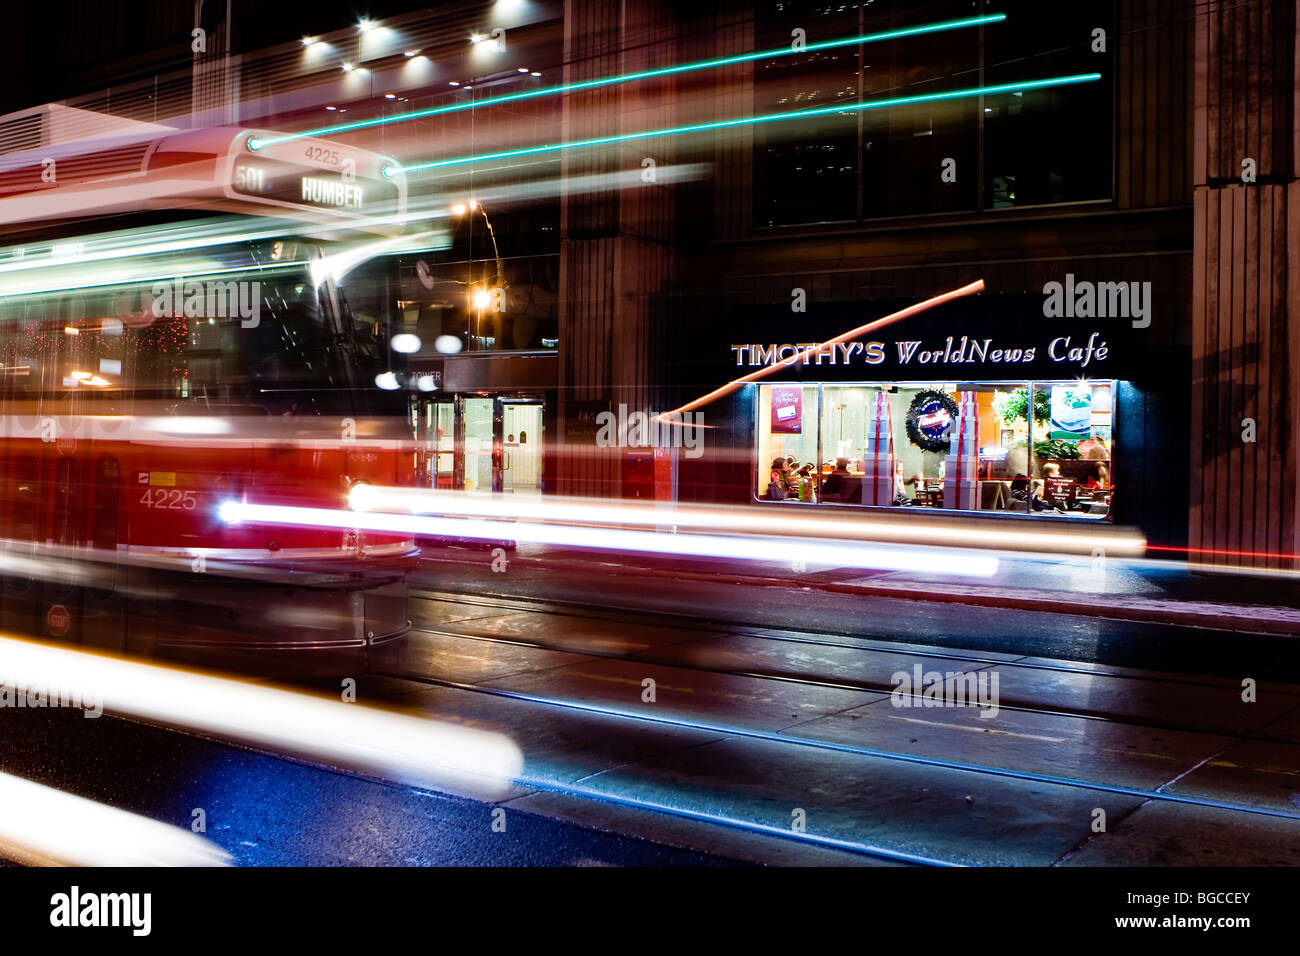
{"x":930,"y":418}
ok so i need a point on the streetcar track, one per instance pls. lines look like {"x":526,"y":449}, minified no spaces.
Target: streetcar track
{"x":752,"y":826}
{"x":725,"y":731}
{"x":641,"y":657}
{"x":595,"y":613}
{"x":700,"y":627}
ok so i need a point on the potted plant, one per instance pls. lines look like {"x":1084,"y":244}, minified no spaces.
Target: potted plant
{"x":1013,"y":406}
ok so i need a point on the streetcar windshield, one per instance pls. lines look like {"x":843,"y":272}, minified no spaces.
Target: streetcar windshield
{"x":255,"y":328}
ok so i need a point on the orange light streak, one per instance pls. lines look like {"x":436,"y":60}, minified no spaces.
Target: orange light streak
{"x":822,"y":348}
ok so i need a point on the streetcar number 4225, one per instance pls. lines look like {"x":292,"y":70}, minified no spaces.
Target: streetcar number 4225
{"x":171,"y":499}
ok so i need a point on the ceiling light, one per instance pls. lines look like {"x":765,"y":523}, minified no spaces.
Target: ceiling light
{"x":405,"y":342}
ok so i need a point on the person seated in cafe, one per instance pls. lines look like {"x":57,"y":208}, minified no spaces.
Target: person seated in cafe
{"x":1094,"y":450}
{"x":839,"y":483}
{"x":1098,"y":480}
{"x":778,"y":487}
{"x":1017,"y":461}
{"x":804,"y":486}
{"x":1020,"y":491}
{"x":900,"y":485}
{"x":1050,"y":469}
{"x":917,"y":481}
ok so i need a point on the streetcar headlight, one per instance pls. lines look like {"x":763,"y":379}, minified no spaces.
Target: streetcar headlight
{"x":361,"y":496}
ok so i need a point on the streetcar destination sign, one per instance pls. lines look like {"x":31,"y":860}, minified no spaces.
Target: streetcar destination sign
{"x":310,"y":186}
{"x":324,"y":192}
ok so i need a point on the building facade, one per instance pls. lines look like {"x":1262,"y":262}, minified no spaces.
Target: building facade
{"x":1118,"y":175}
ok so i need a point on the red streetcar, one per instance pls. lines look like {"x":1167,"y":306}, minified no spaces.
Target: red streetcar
{"x":222,"y":335}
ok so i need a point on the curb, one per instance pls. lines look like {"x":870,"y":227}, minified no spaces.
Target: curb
{"x":1238,"y":618}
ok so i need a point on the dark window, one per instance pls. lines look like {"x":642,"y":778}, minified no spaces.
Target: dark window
{"x":1039,"y":146}
{"x":1048,"y":145}
{"x":907,"y":149}
{"x":806,"y":170}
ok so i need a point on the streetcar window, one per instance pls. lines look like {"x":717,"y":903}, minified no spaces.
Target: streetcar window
{"x":257,"y":334}
{"x":104,"y":515}
{"x":25,"y":499}
{"x":67,"y":501}
{"x":275,"y":355}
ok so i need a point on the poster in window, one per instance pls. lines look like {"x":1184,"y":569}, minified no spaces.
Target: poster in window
{"x":1071,"y":412}
{"x":787,"y":410}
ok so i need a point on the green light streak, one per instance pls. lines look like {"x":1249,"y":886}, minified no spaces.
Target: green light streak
{"x":199,"y":272}
{"x":632,"y":77}
{"x":764,"y":118}
{"x":35,"y":263}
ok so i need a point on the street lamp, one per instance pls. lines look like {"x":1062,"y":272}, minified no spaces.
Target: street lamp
{"x":481,"y":298}
{"x":473,"y":205}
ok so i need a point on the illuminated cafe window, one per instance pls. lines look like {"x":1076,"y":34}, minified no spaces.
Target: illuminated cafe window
{"x":950,"y":446}
{"x":787,"y":442}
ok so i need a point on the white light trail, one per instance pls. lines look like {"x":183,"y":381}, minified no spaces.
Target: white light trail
{"x":42,"y":826}
{"x":394,"y":746}
{"x":748,"y":520}
{"x":738,"y":548}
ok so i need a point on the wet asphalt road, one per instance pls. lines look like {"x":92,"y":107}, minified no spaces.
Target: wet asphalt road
{"x":268,"y":811}
{"x":827,"y":685}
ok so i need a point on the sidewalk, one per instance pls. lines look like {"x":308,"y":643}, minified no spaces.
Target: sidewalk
{"x":1167,"y":592}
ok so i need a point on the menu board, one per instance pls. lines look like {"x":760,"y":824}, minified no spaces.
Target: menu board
{"x":1059,"y":491}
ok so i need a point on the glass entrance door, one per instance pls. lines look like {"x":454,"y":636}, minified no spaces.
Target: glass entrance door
{"x":483,"y":444}
{"x":480,"y":420}
{"x":521,"y":460}
{"x":436,"y":432}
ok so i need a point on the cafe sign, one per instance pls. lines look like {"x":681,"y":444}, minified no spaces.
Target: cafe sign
{"x":1070,"y":352}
